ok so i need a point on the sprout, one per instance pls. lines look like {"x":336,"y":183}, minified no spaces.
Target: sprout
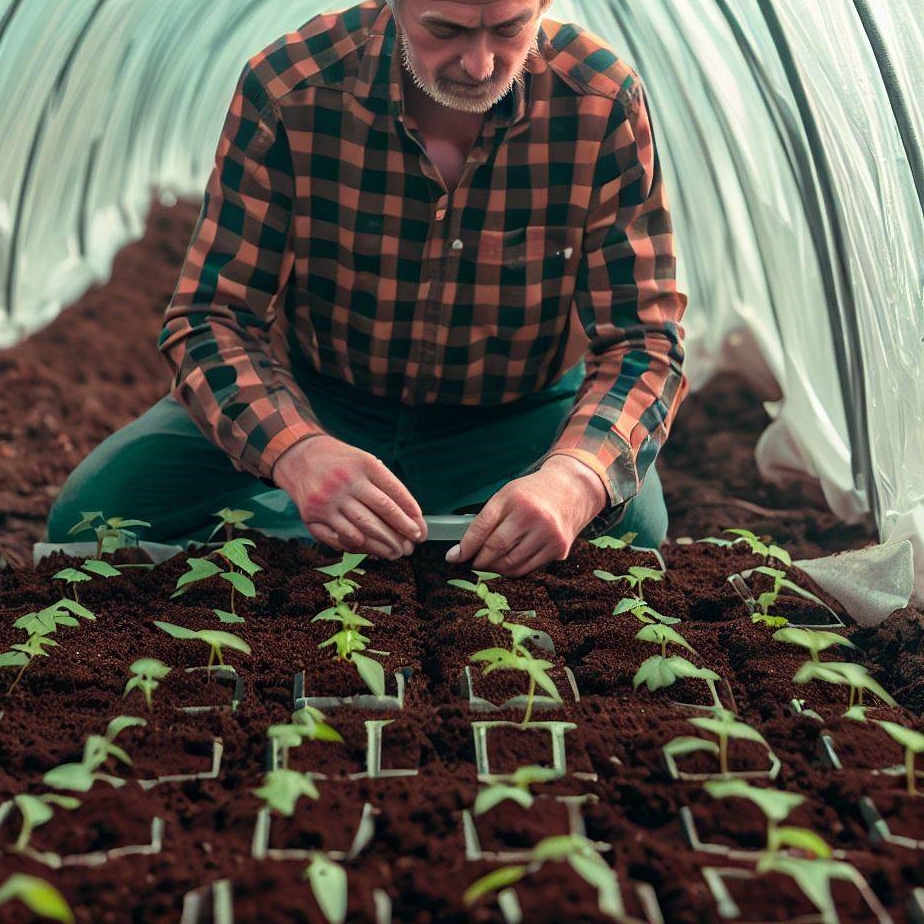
{"x":214,"y":638}
{"x":813,"y":876}
{"x":775,"y":805}
{"x":39,"y":896}
{"x":351,"y":643}
{"x":762,"y":545}
{"x":148,"y":674}
{"x":496,"y":605}
{"x":856,"y":676}
{"x":769,"y":597}
{"x":282,"y":789}
{"x":110,"y":534}
{"x":636,"y":603}
{"x":230,"y":520}
{"x":329,"y":886}
{"x":96,"y":751}
{"x":515,"y":788}
{"x":234,"y":551}
{"x":909,"y":739}
{"x":724,"y":725}
{"x":815,"y":641}
{"x":611,"y":542}
{"x":36,"y":811}
{"x":520,"y":658}
{"x":580,"y":854}
{"x":341,"y":586}
{"x":307,"y":722}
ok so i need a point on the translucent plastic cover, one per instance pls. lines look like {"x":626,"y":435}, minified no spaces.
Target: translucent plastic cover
{"x":789,"y":133}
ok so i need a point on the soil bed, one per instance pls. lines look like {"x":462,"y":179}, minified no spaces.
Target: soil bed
{"x":417,"y":853}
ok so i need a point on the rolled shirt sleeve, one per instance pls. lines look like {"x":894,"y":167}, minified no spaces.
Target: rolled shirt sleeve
{"x":627,"y":300}
{"x":216,"y":328}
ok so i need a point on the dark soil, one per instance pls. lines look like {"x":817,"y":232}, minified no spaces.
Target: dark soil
{"x":417,"y":854}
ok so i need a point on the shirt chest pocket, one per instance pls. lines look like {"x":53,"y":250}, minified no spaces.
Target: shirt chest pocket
{"x":537,"y":258}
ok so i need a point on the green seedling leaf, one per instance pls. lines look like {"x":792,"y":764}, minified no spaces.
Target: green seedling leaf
{"x":372,"y":673}
{"x":775,"y":804}
{"x":611,"y":542}
{"x":606,"y":575}
{"x":218,"y":639}
{"x":199,"y":570}
{"x":117,"y":725}
{"x":74,"y":776}
{"x":329,"y":886}
{"x":799,"y":839}
{"x":814,"y":640}
{"x":241,"y":583}
{"x":812,"y":876}
{"x":175,"y":631}
{"x":493,"y":795}
{"x":39,"y":896}
{"x":463,"y":585}
{"x":226,"y":617}
{"x":494,"y":881}
{"x":906,"y":737}
{"x":102,"y":568}
{"x":663,"y":635}
{"x":13,"y":659}
{"x":71,"y":575}
{"x":628,"y":605}
{"x":235,"y":551}
{"x":772,"y":622}
{"x":594,"y":870}
{"x":282,"y":789}
{"x":348,"y":563}
{"x":86,"y":522}
{"x":728,"y":727}
{"x":686,"y":744}
{"x":655,"y":672}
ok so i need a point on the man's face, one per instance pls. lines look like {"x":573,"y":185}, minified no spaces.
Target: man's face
{"x":466,"y":54}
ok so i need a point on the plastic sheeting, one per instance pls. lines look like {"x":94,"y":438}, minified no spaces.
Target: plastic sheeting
{"x":789,"y":134}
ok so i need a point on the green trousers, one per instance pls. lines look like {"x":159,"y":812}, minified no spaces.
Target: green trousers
{"x":160,"y":468}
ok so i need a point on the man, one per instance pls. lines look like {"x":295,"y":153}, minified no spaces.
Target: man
{"x":419,"y":211}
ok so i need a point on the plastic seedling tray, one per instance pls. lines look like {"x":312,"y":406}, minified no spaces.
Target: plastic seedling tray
{"x":156,"y":551}
{"x":209,"y":904}
{"x":97,"y":857}
{"x":512,"y":913}
{"x":573,"y":804}
{"x":223,"y":672}
{"x":556,"y":730}
{"x":769,"y":774}
{"x":540,"y":701}
{"x":879,"y":828}
{"x":261,"y":850}
{"x":727,"y":907}
{"x":690,"y":832}
{"x":360,"y":701}
{"x":831,"y":620}
{"x":211,"y":774}
{"x":374,"y":770}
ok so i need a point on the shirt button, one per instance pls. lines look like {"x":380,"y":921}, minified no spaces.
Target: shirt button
{"x":457,"y":244}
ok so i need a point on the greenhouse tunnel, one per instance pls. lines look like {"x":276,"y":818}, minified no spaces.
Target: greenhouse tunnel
{"x":212,"y":722}
{"x":790,"y":135}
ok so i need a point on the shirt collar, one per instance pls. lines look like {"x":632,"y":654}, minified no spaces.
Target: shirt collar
{"x":379,"y":79}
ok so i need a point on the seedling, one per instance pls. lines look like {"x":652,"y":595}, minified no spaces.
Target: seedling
{"x":230,"y":521}
{"x":760,"y":545}
{"x":768,"y":598}
{"x":351,"y":643}
{"x":97,"y":750}
{"x":636,"y":603}
{"x":307,"y":723}
{"x":110,"y":534}
{"x":234,"y":551}
{"x":661,"y":671}
{"x":520,"y":658}
{"x":724,"y":725}
{"x":814,"y":640}
{"x":342,"y":586}
{"x":214,"y":638}
{"x":36,"y":811}
{"x":39,"y":896}
{"x":856,"y":676}
{"x":148,"y":672}
{"x":496,"y":606}
{"x":611,"y":542}
{"x":76,"y":575}
{"x":39,"y":627}
{"x":580,"y":854}
{"x":282,"y":789}
{"x":909,"y":739}
{"x":776,"y":806}
{"x":515,"y":787}
{"x":814,"y":876}
{"x":328,"y":882}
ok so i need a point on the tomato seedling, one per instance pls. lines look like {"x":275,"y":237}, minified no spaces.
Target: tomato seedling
{"x":855,"y":676}
{"x":110,"y":534}
{"x":234,"y":552}
{"x":39,"y":896}
{"x":282,"y":789}
{"x":97,"y":750}
{"x":36,"y":811}
{"x":148,"y":673}
{"x":214,"y":638}
{"x":515,"y":787}
{"x":495,"y":606}
{"x":814,"y":640}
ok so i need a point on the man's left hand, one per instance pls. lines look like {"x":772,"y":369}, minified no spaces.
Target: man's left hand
{"x":533,"y":520}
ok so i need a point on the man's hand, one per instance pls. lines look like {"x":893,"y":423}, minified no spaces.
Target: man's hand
{"x":534,"y":519}
{"x":350,"y":500}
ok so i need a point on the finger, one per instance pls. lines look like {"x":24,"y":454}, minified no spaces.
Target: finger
{"x":498,"y":554}
{"x":481,"y":532}
{"x":394,"y":520}
{"x":353,"y":539}
{"x":395,"y":504}
{"x":527,"y":564}
{"x":366,"y":521}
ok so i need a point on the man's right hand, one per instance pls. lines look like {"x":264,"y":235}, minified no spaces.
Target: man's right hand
{"x":348,"y":499}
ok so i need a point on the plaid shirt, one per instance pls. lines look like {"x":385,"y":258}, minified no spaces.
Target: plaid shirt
{"x":327,"y":237}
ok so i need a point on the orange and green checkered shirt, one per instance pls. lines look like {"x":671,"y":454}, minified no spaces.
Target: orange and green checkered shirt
{"x":327,"y":237}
